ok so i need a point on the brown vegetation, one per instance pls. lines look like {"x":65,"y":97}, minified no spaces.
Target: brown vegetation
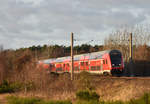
{"x":37,"y":82}
{"x":4,"y":69}
{"x":19,"y":66}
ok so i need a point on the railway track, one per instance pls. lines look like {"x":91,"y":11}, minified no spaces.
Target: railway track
{"x":98,"y":77}
{"x":120,"y":77}
{"x":123,"y":77}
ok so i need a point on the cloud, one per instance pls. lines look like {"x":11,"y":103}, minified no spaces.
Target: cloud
{"x":34,"y":22}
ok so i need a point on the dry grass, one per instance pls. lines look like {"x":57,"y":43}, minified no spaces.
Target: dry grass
{"x":61,"y":87}
{"x":122,"y":89}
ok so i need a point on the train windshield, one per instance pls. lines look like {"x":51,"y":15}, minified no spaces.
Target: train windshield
{"x":115,"y":58}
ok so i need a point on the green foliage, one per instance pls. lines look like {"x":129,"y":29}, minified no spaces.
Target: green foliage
{"x":85,"y":48}
{"x":57,"y":102}
{"x":17,"y":100}
{"x":87,"y":95}
{"x":83,"y":97}
{"x":15,"y":86}
{"x":143,"y":100}
{"x":6,"y":87}
{"x":87,"y":102}
{"x":113,"y":102}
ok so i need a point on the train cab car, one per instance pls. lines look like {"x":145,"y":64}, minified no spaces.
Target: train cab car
{"x":117,"y":63}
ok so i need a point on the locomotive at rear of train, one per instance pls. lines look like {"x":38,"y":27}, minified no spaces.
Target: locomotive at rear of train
{"x":104,"y":62}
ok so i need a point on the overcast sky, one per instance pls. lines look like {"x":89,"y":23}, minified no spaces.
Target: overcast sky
{"x":24,"y":23}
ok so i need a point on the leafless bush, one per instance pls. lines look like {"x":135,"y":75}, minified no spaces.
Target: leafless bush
{"x":120,"y":40}
{"x":4,"y":72}
{"x":36,"y":79}
{"x":2,"y":68}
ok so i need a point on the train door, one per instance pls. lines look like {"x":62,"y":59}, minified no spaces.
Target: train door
{"x":66,"y":67}
{"x":52,"y":67}
{"x":104,"y":64}
{"x":92,"y":66}
{"x":98,"y":65}
{"x":76,"y":66}
{"x":59,"y":67}
{"x":81,"y":65}
{"x":86,"y":65}
{"x":95,"y":66}
{"x":101,"y":65}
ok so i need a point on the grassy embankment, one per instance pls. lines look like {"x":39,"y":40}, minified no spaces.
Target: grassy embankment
{"x":86,"y":95}
{"x":82,"y":98}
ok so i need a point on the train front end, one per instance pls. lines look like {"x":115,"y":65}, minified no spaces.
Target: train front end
{"x":117,"y":64}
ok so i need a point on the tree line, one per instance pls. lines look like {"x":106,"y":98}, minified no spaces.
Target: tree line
{"x":54,"y":51}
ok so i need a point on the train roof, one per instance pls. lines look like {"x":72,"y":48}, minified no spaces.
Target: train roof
{"x":87,"y":56}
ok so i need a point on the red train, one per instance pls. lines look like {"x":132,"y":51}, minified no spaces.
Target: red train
{"x":105,"y":62}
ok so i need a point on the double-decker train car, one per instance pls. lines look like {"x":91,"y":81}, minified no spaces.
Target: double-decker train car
{"x":104,"y":62}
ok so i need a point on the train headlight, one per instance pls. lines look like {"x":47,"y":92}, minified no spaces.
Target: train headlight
{"x":119,"y":64}
{"x":113,"y":64}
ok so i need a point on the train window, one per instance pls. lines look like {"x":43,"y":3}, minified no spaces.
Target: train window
{"x":106,"y":61}
{"x":76,"y":68}
{"x":68,"y":65}
{"x":86,"y":63}
{"x":93,"y":67}
{"x":82,"y":63}
{"x":98,"y":67}
{"x":59,"y":69}
{"x":64,"y":65}
{"x":115,"y":57}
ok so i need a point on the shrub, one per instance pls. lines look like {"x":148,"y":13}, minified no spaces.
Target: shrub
{"x":145,"y":99}
{"x":16,"y":86}
{"x":58,"y":102}
{"x":7,"y":87}
{"x":83,"y":95}
{"x":87,"y":102}
{"x":17,"y":100}
{"x":94,"y":96}
{"x":87,"y":95}
{"x":113,"y":102}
